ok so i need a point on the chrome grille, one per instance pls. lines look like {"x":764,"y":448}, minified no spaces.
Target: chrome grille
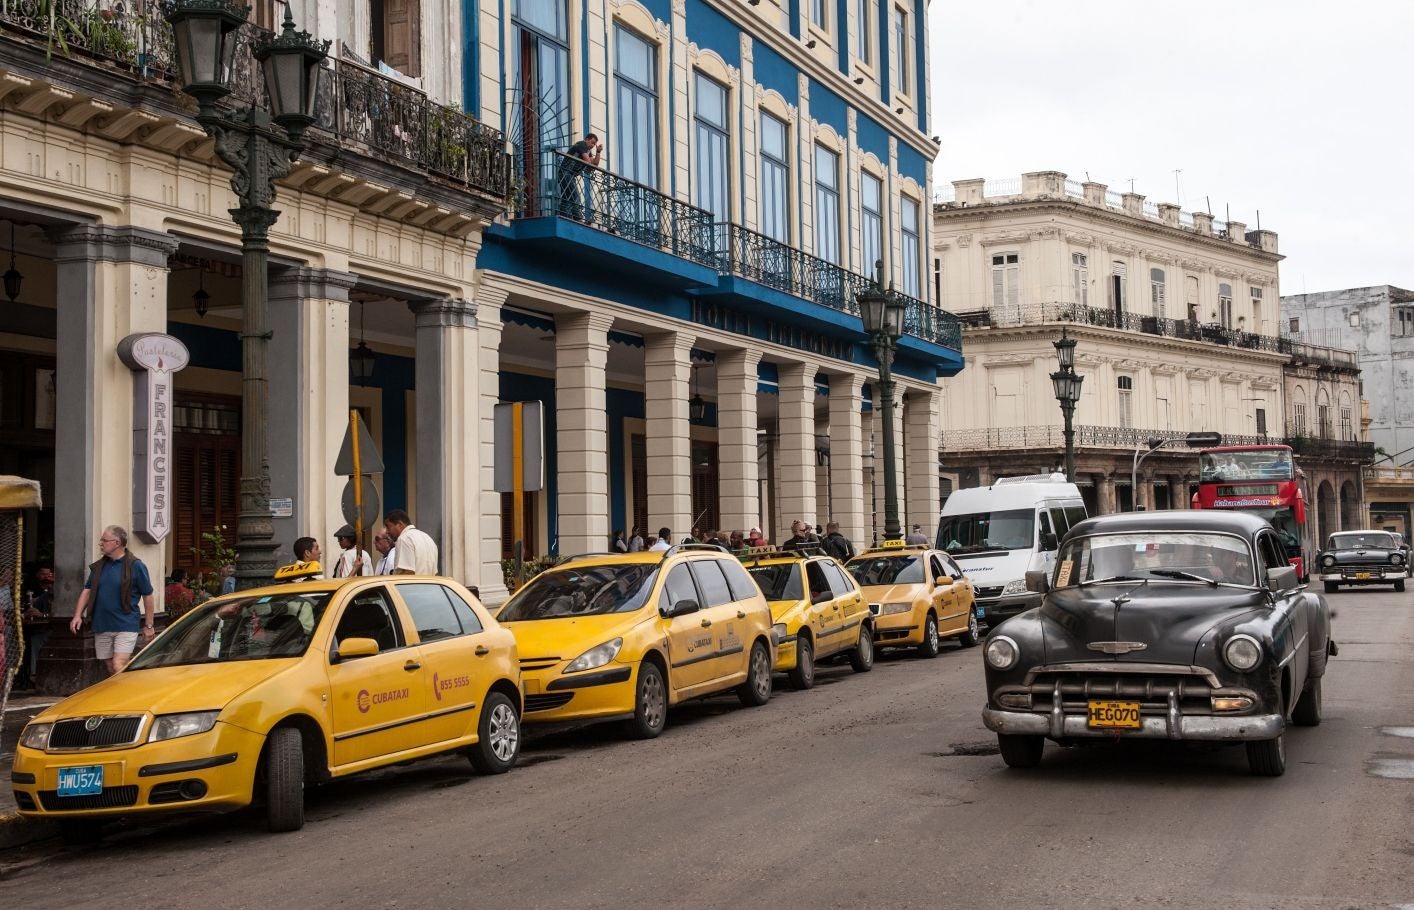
{"x":995,"y":591}
{"x":874,"y":609}
{"x":74,"y":733}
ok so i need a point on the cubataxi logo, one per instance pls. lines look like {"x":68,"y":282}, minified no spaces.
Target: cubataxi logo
{"x":367,"y":700}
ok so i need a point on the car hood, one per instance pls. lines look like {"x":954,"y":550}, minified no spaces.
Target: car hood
{"x":1167,"y":619}
{"x":883,"y":594}
{"x":170,"y":690}
{"x":568,"y":637}
{"x":995,"y":568}
{"x":780,"y":609}
{"x":1363,"y":554}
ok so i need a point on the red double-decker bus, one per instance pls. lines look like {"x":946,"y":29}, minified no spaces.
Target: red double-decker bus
{"x":1261,"y":480}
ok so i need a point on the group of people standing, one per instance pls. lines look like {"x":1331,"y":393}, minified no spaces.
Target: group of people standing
{"x":403,"y":549}
{"x":804,"y":537}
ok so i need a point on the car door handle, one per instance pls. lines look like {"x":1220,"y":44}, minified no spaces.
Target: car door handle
{"x":706,"y":623}
{"x":412,"y":665}
{"x":482,"y":650}
{"x":740,"y":614}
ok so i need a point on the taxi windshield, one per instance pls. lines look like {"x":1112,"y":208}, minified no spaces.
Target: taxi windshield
{"x":248,"y":628}
{"x":778,"y":581}
{"x":587,"y":591}
{"x":887,"y":570}
{"x":1155,"y":556}
{"x":1380,"y":539}
{"x":1260,"y":464}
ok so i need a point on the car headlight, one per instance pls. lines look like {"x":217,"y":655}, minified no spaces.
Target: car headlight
{"x":1014,"y":587}
{"x":1327,"y":560}
{"x":1242,"y":652}
{"x":596,"y":657}
{"x":886,"y":609}
{"x":171,"y":726}
{"x":778,"y":633}
{"x":1396,"y":559}
{"x":36,"y":736}
{"x":1001,"y":652}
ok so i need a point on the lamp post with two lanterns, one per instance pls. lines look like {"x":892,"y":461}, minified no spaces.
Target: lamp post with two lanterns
{"x":881,"y":310}
{"x":1067,"y":385}
{"x":260,"y":147}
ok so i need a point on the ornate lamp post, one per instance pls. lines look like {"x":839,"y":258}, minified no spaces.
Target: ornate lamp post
{"x":1067,"y":384}
{"x":259,"y":146}
{"x":882,"y":311}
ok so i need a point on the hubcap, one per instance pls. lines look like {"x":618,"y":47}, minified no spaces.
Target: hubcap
{"x":972,"y":626}
{"x":932,"y":635}
{"x":806,"y":659}
{"x":505,"y":732}
{"x":653,"y":700}
{"x":760,"y":672}
{"x":866,"y":647}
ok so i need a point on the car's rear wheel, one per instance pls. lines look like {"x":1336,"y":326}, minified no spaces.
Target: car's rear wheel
{"x":802,"y":676}
{"x":929,"y":648}
{"x":1331,"y":587}
{"x":756,"y":690}
{"x":973,"y":634}
{"x":1267,"y":757}
{"x":1399,"y":586}
{"x":1021,"y":750}
{"x":862,"y":657}
{"x":1308,"y":707}
{"x":498,"y":736}
{"x":650,"y":702}
{"x":284,"y":780}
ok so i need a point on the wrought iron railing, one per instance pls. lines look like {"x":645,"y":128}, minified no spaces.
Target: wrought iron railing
{"x":781,"y":266}
{"x":1352,"y":449}
{"x":1061,"y":311}
{"x":357,"y":106}
{"x":1086,"y":436}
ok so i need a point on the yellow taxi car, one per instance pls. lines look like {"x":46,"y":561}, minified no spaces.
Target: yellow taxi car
{"x":629,"y":635}
{"x":818,"y":612}
{"x":918,"y":596}
{"x":250,"y":696}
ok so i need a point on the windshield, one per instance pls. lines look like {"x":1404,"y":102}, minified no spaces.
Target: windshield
{"x":251,"y":628}
{"x":976,"y":532}
{"x":778,"y":581}
{"x":1155,"y":556}
{"x":1260,"y":464}
{"x":1356,"y":541}
{"x":887,"y":570}
{"x":592,"y":591}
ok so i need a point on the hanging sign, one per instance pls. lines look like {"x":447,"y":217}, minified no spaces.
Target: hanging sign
{"x":154,"y":358}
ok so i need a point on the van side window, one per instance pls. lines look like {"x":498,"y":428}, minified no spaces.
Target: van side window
{"x":1045,"y":523}
{"x":1059,"y":522}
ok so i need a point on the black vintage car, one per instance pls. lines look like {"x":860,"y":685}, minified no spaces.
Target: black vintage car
{"x":1163,"y":625}
{"x":1362,"y":558}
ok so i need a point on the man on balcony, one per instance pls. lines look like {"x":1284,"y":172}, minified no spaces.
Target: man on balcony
{"x":583,"y":155}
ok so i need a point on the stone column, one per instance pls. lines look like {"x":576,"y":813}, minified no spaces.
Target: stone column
{"x":847,"y":457}
{"x":667,"y":361}
{"x":110,"y":282}
{"x":309,"y":401}
{"x":448,"y":393}
{"x":1105,"y":494}
{"x":796,"y":483}
{"x":737,"y":425}
{"x":490,"y":579}
{"x":581,"y":432}
{"x":923,"y":430}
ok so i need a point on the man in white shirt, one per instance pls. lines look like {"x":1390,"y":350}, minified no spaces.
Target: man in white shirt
{"x":384,"y":545}
{"x":416,"y":551}
{"x":353,"y":559}
{"x":662,"y":542}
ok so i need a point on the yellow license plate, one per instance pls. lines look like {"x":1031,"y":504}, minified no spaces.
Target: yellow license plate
{"x":1115,"y":715}
{"x":1360,"y":576}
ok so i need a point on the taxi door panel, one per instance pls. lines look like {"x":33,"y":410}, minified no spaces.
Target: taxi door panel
{"x":825,"y":609}
{"x":944,"y":597}
{"x":720,"y":608}
{"x":691,"y":644}
{"x":377,"y":701}
{"x":853,"y":609}
{"x":454,"y":677}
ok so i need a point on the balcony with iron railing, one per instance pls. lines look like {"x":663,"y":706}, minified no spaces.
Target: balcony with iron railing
{"x":359,"y":109}
{"x":1086,"y":436}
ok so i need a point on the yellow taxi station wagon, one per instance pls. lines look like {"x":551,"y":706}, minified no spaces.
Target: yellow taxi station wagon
{"x":817,"y":610}
{"x":250,"y":696}
{"x":918,"y":597}
{"x":628,"y":635}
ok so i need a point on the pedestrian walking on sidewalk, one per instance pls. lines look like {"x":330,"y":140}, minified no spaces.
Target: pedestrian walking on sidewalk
{"x":116,"y":583}
{"x":836,"y":544}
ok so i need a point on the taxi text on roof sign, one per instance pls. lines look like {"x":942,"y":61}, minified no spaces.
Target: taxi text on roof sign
{"x":298,"y":570}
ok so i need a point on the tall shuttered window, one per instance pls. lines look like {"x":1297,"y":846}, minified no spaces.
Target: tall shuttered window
{"x":1080,"y":278}
{"x":1158,"y":292}
{"x":871,"y":222}
{"x":827,"y":205}
{"x":912,"y":248}
{"x":711,"y":186}
{"x":775,"y":178}
{"x":1126,"y":401}
{"x":1006,"y":281}
{"x":636,"y":81}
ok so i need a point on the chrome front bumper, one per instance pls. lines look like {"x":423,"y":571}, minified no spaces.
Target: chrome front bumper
{"x":1172,"y":725}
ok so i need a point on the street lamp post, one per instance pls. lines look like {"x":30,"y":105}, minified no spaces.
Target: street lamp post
{"x":882,"y":312}
{"x":1067,"y":384}
{"x":260,"y":146}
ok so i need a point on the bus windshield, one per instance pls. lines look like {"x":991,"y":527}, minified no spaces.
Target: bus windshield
{"x":1254,"y":464}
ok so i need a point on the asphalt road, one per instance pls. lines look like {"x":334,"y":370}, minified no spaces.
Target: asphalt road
{"x":881,"y":790}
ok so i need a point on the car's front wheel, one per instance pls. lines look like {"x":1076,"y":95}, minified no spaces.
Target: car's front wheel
{"x":1267,"y":757}
{"x":973,"y":634}
{"x":802,"y":676}
{"x":861,"y":659}
{"x":1331,"y":587}
{"x":756,"y":690}
{"x":1399,"y":586}
{"x":929,"y":648}
{"x":1307,"y":712}
{"x":650,"y":702}
{"x":284,"y":780}
{"x":1021,"y":750}
{"x":498,"y":736}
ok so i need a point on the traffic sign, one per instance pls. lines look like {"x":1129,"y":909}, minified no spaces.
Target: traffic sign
{"x":370,"y":461}
{"x":1204,"y":440}
{"x":370,"y":503}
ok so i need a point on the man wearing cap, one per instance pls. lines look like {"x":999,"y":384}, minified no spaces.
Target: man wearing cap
{"x":353,"y":560}
{"x":917,"y":537}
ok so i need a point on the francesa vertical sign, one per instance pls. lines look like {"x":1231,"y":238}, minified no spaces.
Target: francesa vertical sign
{"x":155,"y":359}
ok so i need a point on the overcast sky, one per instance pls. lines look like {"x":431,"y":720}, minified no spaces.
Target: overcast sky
{"x":1297,"y":108}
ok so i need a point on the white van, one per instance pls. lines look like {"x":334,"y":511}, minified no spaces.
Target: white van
{"x":999,"y":533}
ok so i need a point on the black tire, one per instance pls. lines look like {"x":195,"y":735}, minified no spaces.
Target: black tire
{"x":1308,"y":707}
{"x":80,"y":832}
{"x":498,"y":736}
{"x":1399,"y":586}
{"x":1267,"y":757}
{"x":973,"y":635}
{"x":802,"y":675}
{"x":755,"y":691}
{"x":650,"y":702}
{"x":1021,"y":750}
{"x":1331,"y":587}
{"x":930,"y":646}
{"x":862,"y":657}
{"x":284,"y":780}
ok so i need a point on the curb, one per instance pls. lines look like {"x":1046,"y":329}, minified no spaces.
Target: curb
{"x":16,"y":830}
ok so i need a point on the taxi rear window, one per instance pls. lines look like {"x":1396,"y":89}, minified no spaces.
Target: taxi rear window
{"x":778,"y":581}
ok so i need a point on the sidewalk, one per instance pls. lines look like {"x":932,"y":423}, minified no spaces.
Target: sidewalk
{"x":13,"y":829}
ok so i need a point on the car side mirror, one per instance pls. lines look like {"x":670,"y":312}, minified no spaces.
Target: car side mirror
{"x":943,"y":580}
{"x":684,"y":607}
{"x":1037,"y":581}
{"x":351,"y":648}
{"x":1282,"y":578}
{"x":1049,"y":541}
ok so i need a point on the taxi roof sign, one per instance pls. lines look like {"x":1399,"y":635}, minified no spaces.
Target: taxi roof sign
{"x":892,"y":545}
{"x":298,"y":571}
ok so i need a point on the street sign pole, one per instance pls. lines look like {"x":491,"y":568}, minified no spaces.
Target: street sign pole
{"x":518,"y":489}
{"x":357,"y":478}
